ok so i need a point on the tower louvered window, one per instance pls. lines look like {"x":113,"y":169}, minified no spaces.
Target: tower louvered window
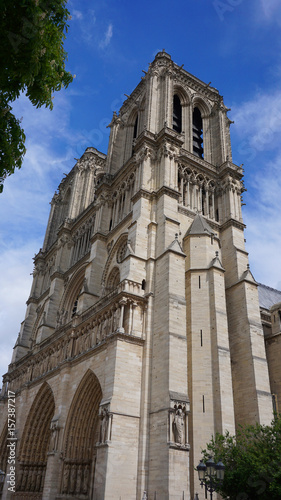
{"x":177,"y":114}
{"x":135,"y":133}
{"x":136,"y":128}
{"x":197,"y":129}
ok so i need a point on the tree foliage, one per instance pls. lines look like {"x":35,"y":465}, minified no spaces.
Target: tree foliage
{"x":252,"y":462}
{"x":32,"y":61}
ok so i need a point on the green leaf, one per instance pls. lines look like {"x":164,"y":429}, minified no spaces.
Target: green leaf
{"x":32,"y":61}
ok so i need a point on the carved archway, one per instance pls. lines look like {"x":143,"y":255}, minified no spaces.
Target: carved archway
{"x":113,"y":254}
{"x":113,"y":279}
{"x":34,"y":445}
{"x":81,"y":436}
{"x":68,"y":302}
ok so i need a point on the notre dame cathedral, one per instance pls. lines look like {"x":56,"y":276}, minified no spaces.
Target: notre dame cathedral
{"x":145,"y":330}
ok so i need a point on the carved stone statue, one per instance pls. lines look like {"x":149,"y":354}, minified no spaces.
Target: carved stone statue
{"x":179,"y":426}
{"x":117,"y":318}
{"x":28,"y":482}
{"x":72,"y":479}
{"x":24,"y":479}
{"x":60,"y":318}
{"x":104,"y":327}
{"x":33,"y":479}
{"x":38,"y":480}
{"x":86,"y":479}
{"x":19,"y":480}
{"x":104,"y":425}
{"x":99,"y":333}
{"x":54,"y":436}
{"x":65,"y":479}
{"x":79,"y":479}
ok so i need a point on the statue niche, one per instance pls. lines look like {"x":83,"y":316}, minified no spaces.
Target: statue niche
{"x":178,"y":435}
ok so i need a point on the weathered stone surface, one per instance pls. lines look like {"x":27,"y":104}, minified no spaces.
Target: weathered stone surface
{"x":142,"y":334}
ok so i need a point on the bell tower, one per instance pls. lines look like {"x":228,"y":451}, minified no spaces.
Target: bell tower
{"x":177,"y":129}
{"x":143,"y":318}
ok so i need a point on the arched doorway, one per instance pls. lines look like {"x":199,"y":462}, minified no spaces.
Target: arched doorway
{"x":81,"y":436}
{"x":34,"y":445}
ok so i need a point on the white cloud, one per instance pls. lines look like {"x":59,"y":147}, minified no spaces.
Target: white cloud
{"x":84,"y":23}
{"x":263,"y":242}
{"x":260,"y":120}
{"x":258,"y":126}
{"x":107,"y":37}
{"x":14,"y":291}
{"x":271,"y":8}
{"x":76,"y":14}
{"x":24,"y":206}
{"x":52,"y":145}
{"x":263,"y":220}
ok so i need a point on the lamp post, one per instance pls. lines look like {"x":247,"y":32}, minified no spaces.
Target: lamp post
{"x":211,"y":475}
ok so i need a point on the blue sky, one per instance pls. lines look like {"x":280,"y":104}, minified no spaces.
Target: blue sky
{"x":235,"y":44}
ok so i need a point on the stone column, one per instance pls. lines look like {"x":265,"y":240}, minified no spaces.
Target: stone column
{"x":187,"y":201}
{"x":130,"y":318}
{"x":207,"y":204}
{"x":134,"y":306}
{"x":181,"y":190}
{"x":120,"y":328}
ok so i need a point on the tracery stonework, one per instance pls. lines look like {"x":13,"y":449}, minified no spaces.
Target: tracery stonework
{"x":142,"y":325}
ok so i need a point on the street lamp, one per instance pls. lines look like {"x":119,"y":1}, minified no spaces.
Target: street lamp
{"x":210,"y":474}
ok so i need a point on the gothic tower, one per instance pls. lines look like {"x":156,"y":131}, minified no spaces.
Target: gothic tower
{"x":142,"y":335}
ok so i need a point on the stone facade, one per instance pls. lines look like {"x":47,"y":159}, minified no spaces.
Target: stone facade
{"x":142,"y":335}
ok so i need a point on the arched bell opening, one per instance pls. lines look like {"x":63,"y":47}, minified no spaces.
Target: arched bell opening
{"x":197,"y":133}
{"x":177,"y":114}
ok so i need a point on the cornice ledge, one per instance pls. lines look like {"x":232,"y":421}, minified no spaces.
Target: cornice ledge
{"x":228,"y":166}
{"x":239,"y":282}
{"x":142,"y":193}
{"x":125,"y":337}
{"x":171,"y":250}
{"x":189,"y":158}
{"x":99,"y":236}
{"x":170,"y":134}
{"x":173,"y":193}
{"x":233,"y":222}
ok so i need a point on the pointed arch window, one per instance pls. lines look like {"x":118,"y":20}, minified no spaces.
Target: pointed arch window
{"x":177,"y":114}
{"x":197,"y":129}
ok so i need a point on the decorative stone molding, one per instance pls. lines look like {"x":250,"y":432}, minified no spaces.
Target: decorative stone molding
{"x":125,"y":315}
